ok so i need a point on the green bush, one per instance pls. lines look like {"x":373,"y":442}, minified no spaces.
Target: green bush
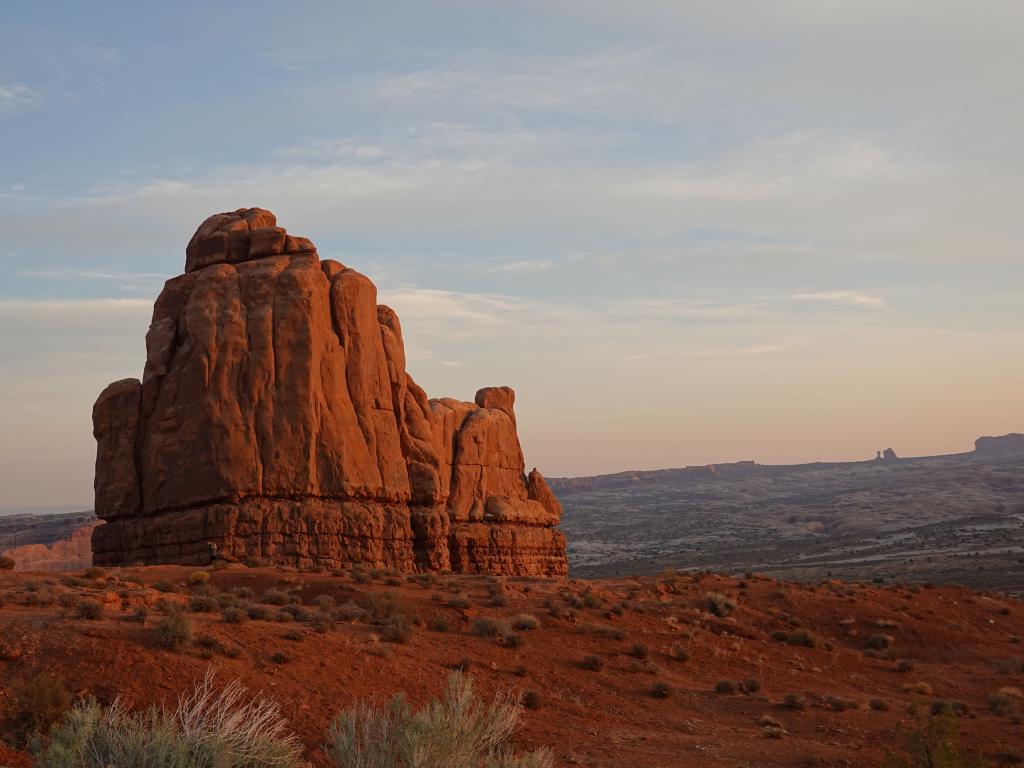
{"x":207,"y":730}
{"x":455,"y":731}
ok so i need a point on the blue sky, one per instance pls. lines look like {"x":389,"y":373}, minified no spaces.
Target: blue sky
{"x":683,"y":232}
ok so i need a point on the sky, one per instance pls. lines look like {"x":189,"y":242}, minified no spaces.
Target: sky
{"x":683,"y":232}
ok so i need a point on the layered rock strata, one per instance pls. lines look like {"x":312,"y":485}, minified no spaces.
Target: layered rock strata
{"x":276,"y":420}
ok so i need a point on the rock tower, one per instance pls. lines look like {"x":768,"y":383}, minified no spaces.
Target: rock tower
{"x":275,"y":420}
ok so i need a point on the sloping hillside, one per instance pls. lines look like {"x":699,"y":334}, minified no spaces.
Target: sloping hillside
{"x":682,"y":670}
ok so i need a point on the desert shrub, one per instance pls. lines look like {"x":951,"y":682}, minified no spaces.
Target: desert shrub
{"x":661,"y":690}
{"x":256,"y":612}
{"x":381,"y":606}
{"x":243,"y":593}
{"x":94,"y":572}
{"x":198,"y":577}
{"x":780,"y":636}
{"x":324,"y":623}
{"x":921,"y":689}
{"x":165,"y":586}
{"x":751,"y":685}
{"x":719,"y":605}
{"x":275,"y":597}
{"x":958,"y":708}
{"x":840,"y":704}
{"x":140,"y":614}
{"x":1010,"y":667}
{"x":173,"y":632}
{"x":297,"y":612}
{"x":234,"y":615}
{"x":590,"y":600}
{"x":6,"y":563}
{"x":488,"y":627}
{"x":795,"y":701}
{"x":592,"y":663}
{"x":397,"y":629}
{"x":879,"y":642}
{"x":326,"y":603}
{"x":525,"y":621}
{"x":879,"y":705}
{"x":1007,"y":703}
{"x":905,"y":665}
{"x":638,"y":651}
{"x":295,"y":635}
{"x":726,"y":686}
{"x":438,"y":623}
{"x":280,"y":657}
{"x":206,"y":730}
{"x":40,"y":700}
{"x":679,"y":652}
{"x":530,"y":700}
{"x":202,"y":603}
{"x":513,"y":641}
{"x":455,"y":731}
{"x":349,"y":611}
{"x":934,"y":742}
{"x":459,"y":602}
{"x":90,"y":609}
{"x":803,"y":638}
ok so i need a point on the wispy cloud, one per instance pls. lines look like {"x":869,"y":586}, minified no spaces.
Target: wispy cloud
{"x":70,"y":307}
{"x":848,"y":297}
{"x":14,"y":96}
{"x":521,"y":266}
{"x":91,"y":274}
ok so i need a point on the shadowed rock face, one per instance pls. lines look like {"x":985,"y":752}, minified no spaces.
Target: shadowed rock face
{"x":275,"y":419}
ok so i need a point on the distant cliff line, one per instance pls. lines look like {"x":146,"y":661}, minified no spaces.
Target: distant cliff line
{"x":1009,"y":444}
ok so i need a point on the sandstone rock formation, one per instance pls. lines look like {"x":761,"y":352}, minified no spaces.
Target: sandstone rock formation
{"x":276,"y":420}
{"x":72,"y":553}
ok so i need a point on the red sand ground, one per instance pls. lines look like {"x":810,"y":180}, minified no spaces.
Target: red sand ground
{"x":960,"y":643}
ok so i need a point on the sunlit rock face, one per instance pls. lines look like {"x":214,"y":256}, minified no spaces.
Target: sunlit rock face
{"x":275,"y":420}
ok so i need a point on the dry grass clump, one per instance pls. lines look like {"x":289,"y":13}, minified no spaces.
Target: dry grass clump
{"x":592,"y":663}
{"x":726,"y":686}
{"x":525,"y":622}
{"x":89,"y":609}
{"x":719,"y":605}
{"x":455,"y":731}
{"x":794,"y":701}
{"x":173,"y":632}
{"x":206,"y":729}
{"x":198,"y":577}
{"x":1008,"y":702}
{"x":486,"y":626}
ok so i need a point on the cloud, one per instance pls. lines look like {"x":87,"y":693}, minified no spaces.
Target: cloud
{"x":14,"y":96}
{"x":850,"y":298}
{"x":90,"y":274}
{"x":69,"y":308}
{"x":521,"y":266}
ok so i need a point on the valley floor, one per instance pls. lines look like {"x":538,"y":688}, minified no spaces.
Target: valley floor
{"x":822,"y":674}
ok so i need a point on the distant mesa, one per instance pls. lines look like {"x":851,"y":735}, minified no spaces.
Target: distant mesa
{"x":1005,"y":444}
{"x":276,"y":421}
{"x":887,"y":455}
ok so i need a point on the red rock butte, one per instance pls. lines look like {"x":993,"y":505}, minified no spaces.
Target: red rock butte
{"x":275,"y":420}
